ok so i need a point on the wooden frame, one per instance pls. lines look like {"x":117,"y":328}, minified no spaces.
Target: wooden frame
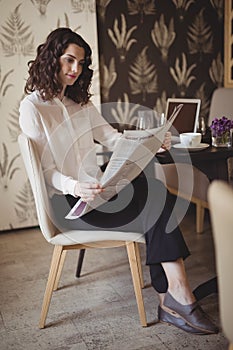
{"x":228,"y":44}
{"x":58,"y":259}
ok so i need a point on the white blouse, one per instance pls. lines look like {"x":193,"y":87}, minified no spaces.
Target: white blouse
{"x":64,"y":133}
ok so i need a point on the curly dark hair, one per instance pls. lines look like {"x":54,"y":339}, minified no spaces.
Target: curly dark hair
{"x":44,"y":70}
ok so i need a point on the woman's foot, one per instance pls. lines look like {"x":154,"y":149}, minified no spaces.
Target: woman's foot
{"x":192,"y":314}
{"x":175,"y":320}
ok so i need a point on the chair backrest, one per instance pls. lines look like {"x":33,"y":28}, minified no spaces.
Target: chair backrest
{"x":220,"y":197}
{"x":33,"y":168}
{"x":221,"y":104}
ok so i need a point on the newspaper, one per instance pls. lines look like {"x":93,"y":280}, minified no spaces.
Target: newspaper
{"x":133,"y":152}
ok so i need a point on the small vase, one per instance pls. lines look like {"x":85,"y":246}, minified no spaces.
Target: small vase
{"x":222,"y":141}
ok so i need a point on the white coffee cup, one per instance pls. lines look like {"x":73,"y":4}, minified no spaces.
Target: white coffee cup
{"x":190,"y":139}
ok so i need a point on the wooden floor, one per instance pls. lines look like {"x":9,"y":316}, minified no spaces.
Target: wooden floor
{"x":99,"y":310}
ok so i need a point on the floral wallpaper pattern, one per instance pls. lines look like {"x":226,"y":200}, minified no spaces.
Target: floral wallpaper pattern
{"x":151,"y":50}
{"x":23,"y":26}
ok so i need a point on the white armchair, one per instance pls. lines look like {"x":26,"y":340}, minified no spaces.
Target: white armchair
{"x":221,"y":104}
{"x":220,"y":196}
{"x":75,"y":239}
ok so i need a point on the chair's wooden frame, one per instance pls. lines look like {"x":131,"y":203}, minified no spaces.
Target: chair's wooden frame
{"x":228,"y":44}
{"x":58,"y":260}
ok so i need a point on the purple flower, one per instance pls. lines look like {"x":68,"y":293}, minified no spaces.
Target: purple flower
{"x":220,"y":126}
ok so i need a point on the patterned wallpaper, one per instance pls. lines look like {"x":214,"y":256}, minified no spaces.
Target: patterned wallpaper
{"x":149,"y":50}
{"x":154,"y":49}
{"x":23,"y":26}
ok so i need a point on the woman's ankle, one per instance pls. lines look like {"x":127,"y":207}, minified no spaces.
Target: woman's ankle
{"x":182,"y":294}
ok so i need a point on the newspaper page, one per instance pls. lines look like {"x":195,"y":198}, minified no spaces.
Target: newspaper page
{"x":133,"y":152}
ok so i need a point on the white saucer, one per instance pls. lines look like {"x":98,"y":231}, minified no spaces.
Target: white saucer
{"x":196,"y":148}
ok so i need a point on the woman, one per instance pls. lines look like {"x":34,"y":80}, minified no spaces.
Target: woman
{"x":58,"y":115}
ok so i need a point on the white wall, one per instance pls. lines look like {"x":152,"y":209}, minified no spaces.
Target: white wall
{"x":23,"y":26}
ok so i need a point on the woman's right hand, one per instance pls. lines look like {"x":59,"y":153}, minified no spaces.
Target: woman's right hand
{"x":87,"y":190}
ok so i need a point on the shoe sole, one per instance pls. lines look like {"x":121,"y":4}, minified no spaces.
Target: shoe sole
{"x":185,"y":330}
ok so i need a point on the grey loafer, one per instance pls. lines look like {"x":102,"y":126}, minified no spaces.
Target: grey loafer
{"x":166,"y":317}
{"x":192,"y":314}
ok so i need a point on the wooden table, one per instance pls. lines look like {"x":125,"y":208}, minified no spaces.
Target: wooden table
{"x":212,"y":161}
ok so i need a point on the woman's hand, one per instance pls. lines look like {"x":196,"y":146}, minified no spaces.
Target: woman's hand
{"x":87,"y":190}
{"x":167,"y":141}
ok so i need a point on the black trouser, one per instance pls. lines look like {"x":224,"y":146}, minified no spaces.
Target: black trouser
{"x":143,"y":206}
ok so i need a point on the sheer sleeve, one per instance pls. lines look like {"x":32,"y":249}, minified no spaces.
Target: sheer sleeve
{"x":30,"y":124}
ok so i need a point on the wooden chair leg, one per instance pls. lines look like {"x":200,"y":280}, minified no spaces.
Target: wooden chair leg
{"x":54,"y":268}
{"x":80,"y":262}
{"x":63,"y":256}
{"x":137,"y":248}
{"x":200,"y":212}
{"x":231,"y":346}
{"x":131,"y":250}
